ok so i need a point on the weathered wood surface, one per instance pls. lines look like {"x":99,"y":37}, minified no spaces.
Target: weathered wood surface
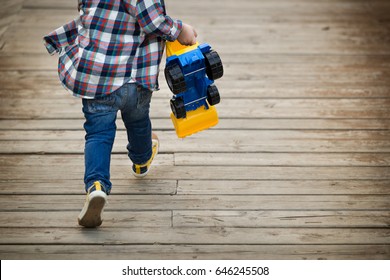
{"x":207,"y":235}
{"x":188,"y":252}
{"x":377,"y":108}
{"x":224,"y":124}
{"x":297,"y":168}
{"x":204,"y":218}
{"x":211,"y":202}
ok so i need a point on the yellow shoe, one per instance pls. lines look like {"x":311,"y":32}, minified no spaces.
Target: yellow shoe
{"x":140,"y":170}
{"x":91,"y":214}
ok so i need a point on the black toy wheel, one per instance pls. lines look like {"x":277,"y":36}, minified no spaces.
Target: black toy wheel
{"x":214,"y":67}
{"x":175,"y":78}
{"x":178,"y":108}
{"x":213,"y":97}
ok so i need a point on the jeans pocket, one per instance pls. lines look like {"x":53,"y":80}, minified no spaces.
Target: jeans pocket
{"x":144,"y":97}
{"x":99,"y":105}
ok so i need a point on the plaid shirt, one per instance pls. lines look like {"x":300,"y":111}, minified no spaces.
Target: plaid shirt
{"x":111,"y":43}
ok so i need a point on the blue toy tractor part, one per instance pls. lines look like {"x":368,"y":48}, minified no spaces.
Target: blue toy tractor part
{"x":190,"y":73}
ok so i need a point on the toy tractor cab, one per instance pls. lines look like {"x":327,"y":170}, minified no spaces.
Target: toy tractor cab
{"x":190,"y":72}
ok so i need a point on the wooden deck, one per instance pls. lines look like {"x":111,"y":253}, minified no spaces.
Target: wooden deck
{"x":298,"y":168}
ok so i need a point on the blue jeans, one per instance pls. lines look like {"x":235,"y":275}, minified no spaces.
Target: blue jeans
{"x":100,"y":114}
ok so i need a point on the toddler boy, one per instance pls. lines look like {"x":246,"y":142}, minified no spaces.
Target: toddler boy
{"x":109,"y":57}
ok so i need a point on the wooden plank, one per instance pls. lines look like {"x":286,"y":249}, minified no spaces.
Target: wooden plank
{"x":271,"y":26}
{"x":298,"y":65}
{"x":47,"y":4}
{"x":234,"y":141}
{"x":230,"y":108}
{"x":333,"y":7}
{"x":45,"y":84}
{"x":278,"y":187}
{"x":166,"y":172}
{"x":131,"y":186}
{"x":68,"y":219}
{"x":224,"y":124}
{"x":254,"y":13}
{"x":248,"y":15}
{"x":203,"y":218}
{"x":31,"y":80}
{"x":283,"y":159}
{"x":72,"y":160}
{"x":31,"y":62}
{"x":229,"y":89}
{"x":10,"y":8}
{"x":2,"y":31}
{"x":77,"y":161}
{"x":8,"y":15}
{"x":107,"y":236}
{"x":37,"y":169}
{"x":273,"y":38}
{"x":218,"y":159}
{"x":380,"y":11}
{"x":277,"y":38}
{"x":196,"y":202}
{"x":334,"y":219}
{"x":302,"y":186}
{"x":256,"y":16}
{"x":195,"y":252}
{"x":253,"y":137}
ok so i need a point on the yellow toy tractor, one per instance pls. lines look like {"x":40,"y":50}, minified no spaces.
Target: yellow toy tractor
{"x":190,"y":72}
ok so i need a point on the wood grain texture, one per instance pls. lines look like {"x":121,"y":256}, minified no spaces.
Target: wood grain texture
{"x":196,"y":252}
{"x":297,"y":168}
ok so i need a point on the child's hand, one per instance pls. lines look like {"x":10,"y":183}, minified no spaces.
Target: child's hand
{"x":187,"y":35}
